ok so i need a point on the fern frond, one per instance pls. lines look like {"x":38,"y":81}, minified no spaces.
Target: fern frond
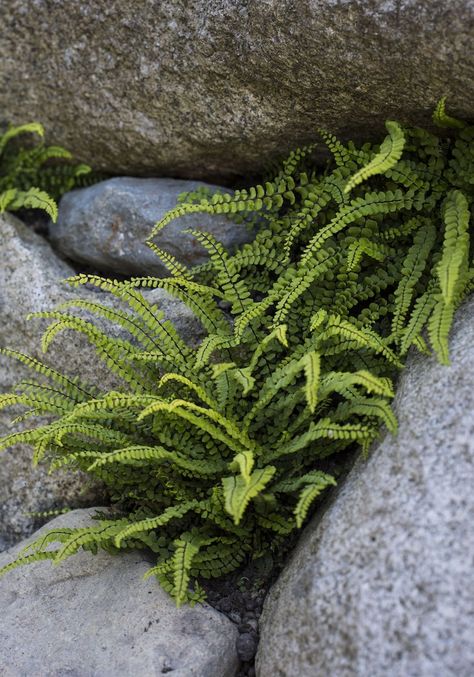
{"x":373,"y":406}
{"x":441,"y":119}
{"x":361,"y":336}
{"x":369,"y":205}
{"x":243,"y":462}
{"x":309,"y":494}
{"x":238,"y":491}
{"x":324,"y":428}
{"x":150,"y":523}
{"x":176,"y":268}
{"x":389,"y":154}
{"x":34,"y":198}
{"x":413,"y":267}
{"x":29,"y":128}
{"x":456,"y":243}
{"x":186,"y":548}
{"x":312,"y":367}
{"x":421,"y":312}
{"x":27,"y":559}
{"x":157,"y":453}
{"x":439,"y":326}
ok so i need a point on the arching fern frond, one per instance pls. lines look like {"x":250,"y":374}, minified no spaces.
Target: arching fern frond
{"x":441,"y":119}
{"x":389,"y":154}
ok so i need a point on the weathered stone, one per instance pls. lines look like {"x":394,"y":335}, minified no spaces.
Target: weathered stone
{"x":95,"y":615}
{"x":210,"y":89}
{"x":107,"y":225}
{"x":382,"y":583}
{"x":31,"y":280}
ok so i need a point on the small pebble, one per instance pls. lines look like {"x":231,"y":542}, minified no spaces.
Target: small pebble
{"x":250,"y":604}
{"x":225,"y":604}
{"x":248,"y":625}
{"x":246,"y":646}
{"x":234,"y":616}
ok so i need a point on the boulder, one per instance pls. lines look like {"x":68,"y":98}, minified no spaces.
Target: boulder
{"x":219,"y":89}
{"x":31,"y":277}
{"x":107,"y":225}
{"x":382,"y":583}
{"x":95,"y":615}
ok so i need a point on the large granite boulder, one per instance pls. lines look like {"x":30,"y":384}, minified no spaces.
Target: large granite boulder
{"x":107,"y":225}
{"x":383,"y":583}
{"x":210,"y":89}
{"x":94,"y":615}
{"x":31,"y":277}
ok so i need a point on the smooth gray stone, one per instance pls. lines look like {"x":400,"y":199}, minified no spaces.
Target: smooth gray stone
{"x":107,"y":226}
{"x":31,"y":277}
{"x":211,"y":89}
{"x":383,"y":583}
{"x":95,"y":616}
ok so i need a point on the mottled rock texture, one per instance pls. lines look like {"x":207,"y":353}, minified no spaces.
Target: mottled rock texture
{"x":383,"y":583}
{"x":94,"y":615}
{"x":213,"y":89}
{"x":107,"y":225}
{"x":31,"y":280}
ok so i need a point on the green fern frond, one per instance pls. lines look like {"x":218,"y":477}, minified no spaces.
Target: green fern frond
{"x":186,"y":548}
{"x":312,"y":368}
{"x":439,"y":326}
{"x":157,"y":453}
{"x":151,"y":523}
{"x":34,"y":198}
{"x":176,"y":268}
{"x":389,"y":154}
{"x":361,"y":336}
{"x":421,"y":312}
{"x":309,"y":494}
{"x":413,"y":267}
{"x":34,"y":176}
{"x":243,"y":462}
{"x":456,"y":243}
{"x":441,"y":119}
{"x":370,"y":407}
{"x":238,"y":491}
{"x":28,"y":559}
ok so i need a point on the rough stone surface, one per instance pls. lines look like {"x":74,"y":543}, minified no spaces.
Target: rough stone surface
{"x":107,"y":225}
{"x":383,"y":583}
{"x":209,"y":89}
{"x":30,"y":280}
{"x":95,"y":615}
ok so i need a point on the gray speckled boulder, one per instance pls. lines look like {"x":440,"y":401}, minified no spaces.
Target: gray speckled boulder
{"x":107,"y":225}
{"x":383,"y":583}
{"x":95,"y":616}
{"x":30,"y":280}
{"x":206,"y":89}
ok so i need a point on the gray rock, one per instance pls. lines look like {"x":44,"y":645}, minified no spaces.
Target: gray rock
{"x":94,"y":615}
{"x":31,"y":280}
{"x":107,"y":225}
{"x":211,"y":89}
{"x":383,"y":583}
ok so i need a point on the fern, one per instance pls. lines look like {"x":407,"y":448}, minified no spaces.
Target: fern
{"x":216,"y":452}
{"x":35,"y":176}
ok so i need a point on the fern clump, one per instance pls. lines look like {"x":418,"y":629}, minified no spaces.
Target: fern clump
{"x":31,"y":176}
{"x":216,"y":453}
